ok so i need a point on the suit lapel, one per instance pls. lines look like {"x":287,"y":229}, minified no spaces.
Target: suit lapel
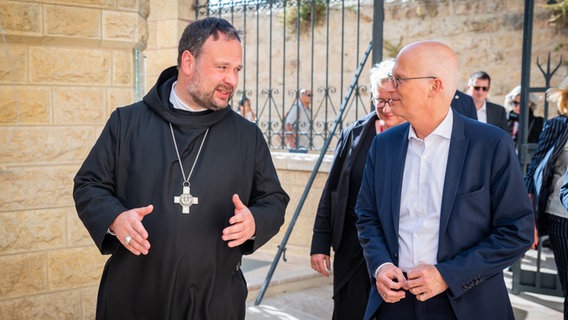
{"x":454,"y":169}
{"x":399,"y":148}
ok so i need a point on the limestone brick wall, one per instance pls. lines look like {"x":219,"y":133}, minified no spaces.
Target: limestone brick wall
{"x":64,"y":66}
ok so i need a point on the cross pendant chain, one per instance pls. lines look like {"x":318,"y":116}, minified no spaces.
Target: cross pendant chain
{"x":185,"y":200}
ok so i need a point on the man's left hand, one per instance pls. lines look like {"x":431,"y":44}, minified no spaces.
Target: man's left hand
{"x":242,"y":226}
{"x":425,"y":282}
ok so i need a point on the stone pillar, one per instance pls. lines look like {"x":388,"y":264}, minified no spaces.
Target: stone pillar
{"x":166,"y":22}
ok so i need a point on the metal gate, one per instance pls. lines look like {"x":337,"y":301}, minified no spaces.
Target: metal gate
{"x":532,"y":276}
{"x":292,"y":45}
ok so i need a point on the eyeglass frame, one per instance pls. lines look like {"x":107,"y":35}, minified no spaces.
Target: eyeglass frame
{"x":395,"y":81}
{"x":375,"y":101}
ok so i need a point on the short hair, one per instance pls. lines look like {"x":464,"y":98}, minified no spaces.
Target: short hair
{"x":479,"y":75}
{"x":197,"y":33}
{"x":508,"y":104}
{"x":379,"y":73}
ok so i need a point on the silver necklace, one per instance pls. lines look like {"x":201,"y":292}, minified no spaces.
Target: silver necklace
{"x":185,"y":199}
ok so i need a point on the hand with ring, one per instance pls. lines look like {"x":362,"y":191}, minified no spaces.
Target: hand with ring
{"x":128,"y":227}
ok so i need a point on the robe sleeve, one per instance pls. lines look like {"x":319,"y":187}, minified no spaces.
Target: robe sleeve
{"x":94,"y":188}
{"x":268,"y":200}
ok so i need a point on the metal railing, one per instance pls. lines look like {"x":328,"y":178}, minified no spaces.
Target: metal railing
{"x":287,"y":48}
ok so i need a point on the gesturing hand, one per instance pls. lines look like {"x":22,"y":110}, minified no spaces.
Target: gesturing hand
{"x":242,"y":227}
{"x":130,"y":231}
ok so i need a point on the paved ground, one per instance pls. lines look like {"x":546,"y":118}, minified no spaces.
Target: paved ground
{"x":297,"y":292}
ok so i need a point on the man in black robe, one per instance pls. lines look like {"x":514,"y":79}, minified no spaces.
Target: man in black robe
{"x":178,"y":187}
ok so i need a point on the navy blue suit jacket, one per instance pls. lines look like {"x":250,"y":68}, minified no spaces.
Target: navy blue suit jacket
{"x":463,"y":103}
{"x":486,"y":219}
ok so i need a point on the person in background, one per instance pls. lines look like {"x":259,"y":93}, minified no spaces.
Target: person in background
{"x":551,"y":215}
{"x":334,"y":226}
{"x":478,"y":87}
{"x":444,"y":214}
{"x":463,"y":104}
{"x":245,"y":110}
{"x":298,"y":122}
{"x":513,"y":104}
{"x":157,"y":194}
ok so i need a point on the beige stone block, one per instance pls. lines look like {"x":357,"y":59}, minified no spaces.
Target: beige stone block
{"x":129,"y":4}
{"x":24,"y":105}
{"x":120,"y":97}
{"x":23,"y":274}
{"x":72,"y":21}
{"x":70,"y":66}
{"x":156,"y":62}
{"x":120,"y":26}
{"x":78,"y":105}
{"x":57,"y":305}
{"x":32,"y":230}
{"x":123,"y":68}
{"x":41,"y":145}
{"x":75,"y":267}
{"x":33,"y":188}
{"x":168,"y":33}
{"x":87,"y":3}
{"x":77,"y":234}
{"x":20,"y":17}
{"x":165,"y":9}
{"x":89,"y":302}
{"x":13,"y":64}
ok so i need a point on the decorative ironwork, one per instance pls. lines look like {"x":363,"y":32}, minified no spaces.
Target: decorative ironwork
{"x":280,"y":59}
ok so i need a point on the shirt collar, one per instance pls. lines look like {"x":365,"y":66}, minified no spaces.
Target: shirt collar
{"x":178,"y":104}
{"x":444,"y":129}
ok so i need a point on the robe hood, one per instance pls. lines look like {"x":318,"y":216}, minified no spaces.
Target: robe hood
{"x":158,"y":99}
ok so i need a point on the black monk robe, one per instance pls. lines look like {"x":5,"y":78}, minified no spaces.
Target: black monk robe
{"x":189,"y":272}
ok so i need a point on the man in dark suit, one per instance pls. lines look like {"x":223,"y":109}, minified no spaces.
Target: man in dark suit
{"x":463,"y":104}
{"x":478,"y":87}
{"x":443,"y":215}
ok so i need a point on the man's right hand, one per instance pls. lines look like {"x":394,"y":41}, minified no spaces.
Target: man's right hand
{"x":391,"y":283}
{"x":321,"y":263}
{"x":128,"y":228}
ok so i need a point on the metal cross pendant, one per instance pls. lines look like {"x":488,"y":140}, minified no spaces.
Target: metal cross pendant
{"x":185,"y":199}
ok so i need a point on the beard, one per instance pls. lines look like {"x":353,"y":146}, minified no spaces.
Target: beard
{"x":206,"y":99}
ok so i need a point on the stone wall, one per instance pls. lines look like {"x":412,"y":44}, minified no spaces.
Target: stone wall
{"x":66,"y":64}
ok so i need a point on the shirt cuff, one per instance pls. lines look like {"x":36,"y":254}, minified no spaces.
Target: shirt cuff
{"x":377,"y":270}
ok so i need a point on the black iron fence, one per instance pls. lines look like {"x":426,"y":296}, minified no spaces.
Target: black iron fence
{"x":293,"y":45}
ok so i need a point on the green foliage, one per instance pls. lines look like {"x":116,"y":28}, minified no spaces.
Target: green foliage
{"x":559,"y":14}
{"x":392,"y":49}
{"x":304,"y":15}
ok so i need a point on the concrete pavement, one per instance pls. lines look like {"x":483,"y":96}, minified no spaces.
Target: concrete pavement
{"x":298,"y":292}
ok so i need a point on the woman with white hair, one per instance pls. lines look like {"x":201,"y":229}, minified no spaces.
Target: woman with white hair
{"x":552,"y":152}
{"x":513,"y":105}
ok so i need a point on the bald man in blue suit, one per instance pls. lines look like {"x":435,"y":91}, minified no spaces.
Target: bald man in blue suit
{"x":442,"y":210}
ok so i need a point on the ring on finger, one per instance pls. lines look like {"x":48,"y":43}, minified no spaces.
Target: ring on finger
{"x":127,"y":240}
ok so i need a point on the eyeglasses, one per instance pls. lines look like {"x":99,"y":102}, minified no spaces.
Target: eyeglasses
{"x":477,"y":88}
{"x":380,"y":103}
{"x":516,"y":103}
{"x":395,"y":81}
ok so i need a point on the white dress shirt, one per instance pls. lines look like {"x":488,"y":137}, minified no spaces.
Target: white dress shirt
{"x":482,"y":113}
{"x":421,"y":197}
